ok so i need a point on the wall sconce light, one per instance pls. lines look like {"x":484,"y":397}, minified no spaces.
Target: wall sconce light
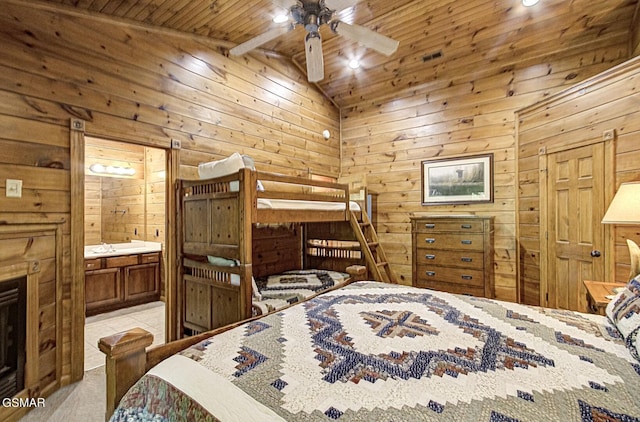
{"x":112,"y":170}
{"x":326,"y":134}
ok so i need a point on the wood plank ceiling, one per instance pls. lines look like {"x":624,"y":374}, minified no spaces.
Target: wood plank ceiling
{"x":467,"y":34}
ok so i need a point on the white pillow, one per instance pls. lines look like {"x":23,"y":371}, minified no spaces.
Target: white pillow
{"x":218,"y":168}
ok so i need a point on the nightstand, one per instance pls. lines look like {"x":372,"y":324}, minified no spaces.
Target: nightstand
{"x":597,"y":292}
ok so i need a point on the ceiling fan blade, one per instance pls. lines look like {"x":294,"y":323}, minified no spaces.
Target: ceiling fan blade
{"x":339,"y":5}
{"x":366,"y":37}
{"x":261,"y":39}
{"x":315,"y":61}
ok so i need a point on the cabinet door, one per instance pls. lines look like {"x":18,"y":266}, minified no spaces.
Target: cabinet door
{"x":102,"y":289}
{"x":141,"y":282}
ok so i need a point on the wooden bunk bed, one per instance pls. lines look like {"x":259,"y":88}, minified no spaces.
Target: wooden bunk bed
{"x":230,"y":218}
{"x":239,"y":217}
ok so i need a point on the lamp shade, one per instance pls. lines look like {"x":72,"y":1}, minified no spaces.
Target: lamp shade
{"x":625,"y":207}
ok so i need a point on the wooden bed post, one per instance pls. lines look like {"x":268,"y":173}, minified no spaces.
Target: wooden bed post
{"x":125,"y":362}
{"x":248,"y":208}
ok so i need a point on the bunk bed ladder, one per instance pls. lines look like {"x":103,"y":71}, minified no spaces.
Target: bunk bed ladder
{"x":371,"y":248}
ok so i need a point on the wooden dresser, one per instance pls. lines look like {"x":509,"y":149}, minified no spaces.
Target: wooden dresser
{"x":453,"y":254}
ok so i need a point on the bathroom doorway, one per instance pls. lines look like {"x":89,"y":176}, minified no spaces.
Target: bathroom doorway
{"x":124,"y":240}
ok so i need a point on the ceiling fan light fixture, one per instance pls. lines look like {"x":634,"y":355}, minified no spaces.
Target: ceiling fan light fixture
{"x":529,"y":3}
{"x":312,"y":14}
{"x":354,"y":64}
{"x":281,"y":18}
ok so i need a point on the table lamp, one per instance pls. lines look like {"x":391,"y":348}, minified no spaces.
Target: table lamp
{"x":625,"y":209}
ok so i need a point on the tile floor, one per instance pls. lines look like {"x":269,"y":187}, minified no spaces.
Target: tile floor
{"x":149,"y":316}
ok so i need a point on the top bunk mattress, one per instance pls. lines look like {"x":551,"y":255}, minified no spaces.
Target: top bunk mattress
{"x":291,"y":204}
{"x":236,"y":161}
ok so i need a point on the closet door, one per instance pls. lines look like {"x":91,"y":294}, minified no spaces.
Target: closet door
{"x":575,"y":236}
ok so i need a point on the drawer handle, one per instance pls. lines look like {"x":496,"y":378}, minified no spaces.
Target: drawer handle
{"x":466,"y":242}
{"x":430,"y":240}
{"x":465,"y":226}
{"x":430,"y":273}
{"x":430,"y":226}
{"x":467,"y":277}
{"x":430,"y":256}
{"x":464,"y":259}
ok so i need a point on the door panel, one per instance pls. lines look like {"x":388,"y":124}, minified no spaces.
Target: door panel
{"x":575,"y":192}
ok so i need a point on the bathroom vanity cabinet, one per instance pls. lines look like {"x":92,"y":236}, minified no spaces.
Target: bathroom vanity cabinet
{"x":115,"y":282}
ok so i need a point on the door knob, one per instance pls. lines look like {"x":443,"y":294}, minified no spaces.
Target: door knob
{"x":595,"y":253}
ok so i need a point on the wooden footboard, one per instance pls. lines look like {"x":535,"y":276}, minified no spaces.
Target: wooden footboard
{"x":129,"y":357}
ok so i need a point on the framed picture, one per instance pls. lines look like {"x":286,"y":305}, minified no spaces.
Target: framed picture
{"x":462,"y":180}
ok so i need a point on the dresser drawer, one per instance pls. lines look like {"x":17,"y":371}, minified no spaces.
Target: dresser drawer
{"x":93,"y":264}
{"x":459,"y":226}
{"x":450,"y":275}
{"x":148,"y":258}
{"x":121,"y":261}
{"x":466,"y":242}
{"x":451,"y":287}
{"x":463,"y":259}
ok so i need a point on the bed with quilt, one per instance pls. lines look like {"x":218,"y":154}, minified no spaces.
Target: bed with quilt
{"x":375,"y":351}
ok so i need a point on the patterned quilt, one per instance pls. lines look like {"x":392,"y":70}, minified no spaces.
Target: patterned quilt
{"x":380,"y":352}
{"x":280,"y":290}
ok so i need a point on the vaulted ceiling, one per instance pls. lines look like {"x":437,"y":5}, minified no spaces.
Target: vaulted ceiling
{"x":439,"y":39}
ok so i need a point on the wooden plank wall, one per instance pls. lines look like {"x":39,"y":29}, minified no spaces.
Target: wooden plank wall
{"x":122,"y":199}
{"x":121,"y":209}
{"x":145,"y":87}
{"x":581,"y":114}
{"x":155,"y":170}
{"x":468,"y":108}
{"x":93,"y":210}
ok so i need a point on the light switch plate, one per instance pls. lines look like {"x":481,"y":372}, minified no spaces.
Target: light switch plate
{"x":14,"y":188}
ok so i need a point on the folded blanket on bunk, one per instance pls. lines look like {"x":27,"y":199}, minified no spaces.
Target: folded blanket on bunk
{"x":375,"y":351}
{"x":229,"y":165}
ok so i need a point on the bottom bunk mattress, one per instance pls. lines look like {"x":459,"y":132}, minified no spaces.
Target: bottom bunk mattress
{"x":280,"y":290}
{"x":374,"y":351}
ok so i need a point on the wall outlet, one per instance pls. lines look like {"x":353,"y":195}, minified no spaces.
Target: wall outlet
{"x":14,"y":188}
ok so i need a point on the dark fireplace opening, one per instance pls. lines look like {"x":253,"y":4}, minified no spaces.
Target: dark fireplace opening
{"x":13,"y":323}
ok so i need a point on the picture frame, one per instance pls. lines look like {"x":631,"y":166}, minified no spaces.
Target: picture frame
{"x":460,"y":180}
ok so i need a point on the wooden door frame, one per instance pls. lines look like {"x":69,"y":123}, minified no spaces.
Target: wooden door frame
{"x":172,"y":163}
{"x":609,"y":174}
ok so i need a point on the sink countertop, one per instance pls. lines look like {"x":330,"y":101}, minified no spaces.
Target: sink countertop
{"x":116,"y":249}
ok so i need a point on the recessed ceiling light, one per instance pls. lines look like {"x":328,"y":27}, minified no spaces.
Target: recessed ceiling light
{"x":282,"y":18}
{"x":354,"y":64}
{"x":529,"y":3}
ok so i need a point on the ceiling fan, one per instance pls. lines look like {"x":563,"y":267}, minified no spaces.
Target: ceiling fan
{"x":312,"y":14}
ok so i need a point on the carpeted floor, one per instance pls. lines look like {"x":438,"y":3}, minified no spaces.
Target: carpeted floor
{"x":83,"y":401}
